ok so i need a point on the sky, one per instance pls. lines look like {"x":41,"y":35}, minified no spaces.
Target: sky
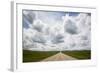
{"x":56,"y":31}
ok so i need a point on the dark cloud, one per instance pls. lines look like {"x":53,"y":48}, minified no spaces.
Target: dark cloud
{"x":39,"y":39}
{"x":30,"y":17}
{"x":84,"y":38}
{"x":72,"y":45}
{"x":38,"y":28}
{"x":66,"y":47}
{"x":84,"y":44}
{"x":70,"y":27}
{"x":59,"y":36}
{"x":57,"y":39}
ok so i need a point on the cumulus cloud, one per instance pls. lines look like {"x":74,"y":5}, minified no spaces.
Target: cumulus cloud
{"x":38,"y":25}
{"x":63,"y":33}
{"x":70,"y":27}
{"x":58,"y":39}
{"x":39,"y":38}
{"x":69,"y":24}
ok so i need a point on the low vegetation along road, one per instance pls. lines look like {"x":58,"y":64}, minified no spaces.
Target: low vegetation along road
{"x":59,"y":57}
{"x":37,"y":56}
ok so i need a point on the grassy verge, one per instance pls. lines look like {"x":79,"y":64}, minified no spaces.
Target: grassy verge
{"x":85,"y":54}
{"x":35,"y":56}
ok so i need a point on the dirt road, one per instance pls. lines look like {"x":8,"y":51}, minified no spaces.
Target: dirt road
{"x":59,"y":57}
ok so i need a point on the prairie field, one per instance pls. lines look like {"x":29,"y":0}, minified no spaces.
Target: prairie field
{"x":37,"y":56}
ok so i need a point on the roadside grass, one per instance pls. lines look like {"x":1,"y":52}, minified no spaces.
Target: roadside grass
{"x":36,"y":56}
{"x":84,"y":54}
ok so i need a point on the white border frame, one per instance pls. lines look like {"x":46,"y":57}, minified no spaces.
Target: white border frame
{"x":16,"y":51}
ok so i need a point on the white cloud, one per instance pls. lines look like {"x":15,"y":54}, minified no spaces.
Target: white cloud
{"x":72,"y":34}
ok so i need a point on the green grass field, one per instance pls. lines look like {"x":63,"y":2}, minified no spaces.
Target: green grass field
{"x":84,"y":54}
{"x":36,"y":56}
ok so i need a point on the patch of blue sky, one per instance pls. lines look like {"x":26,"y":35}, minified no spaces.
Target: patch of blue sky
{"x":50,"y":17}
{"x":25,"y":22}
{"x":73,"y":13}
